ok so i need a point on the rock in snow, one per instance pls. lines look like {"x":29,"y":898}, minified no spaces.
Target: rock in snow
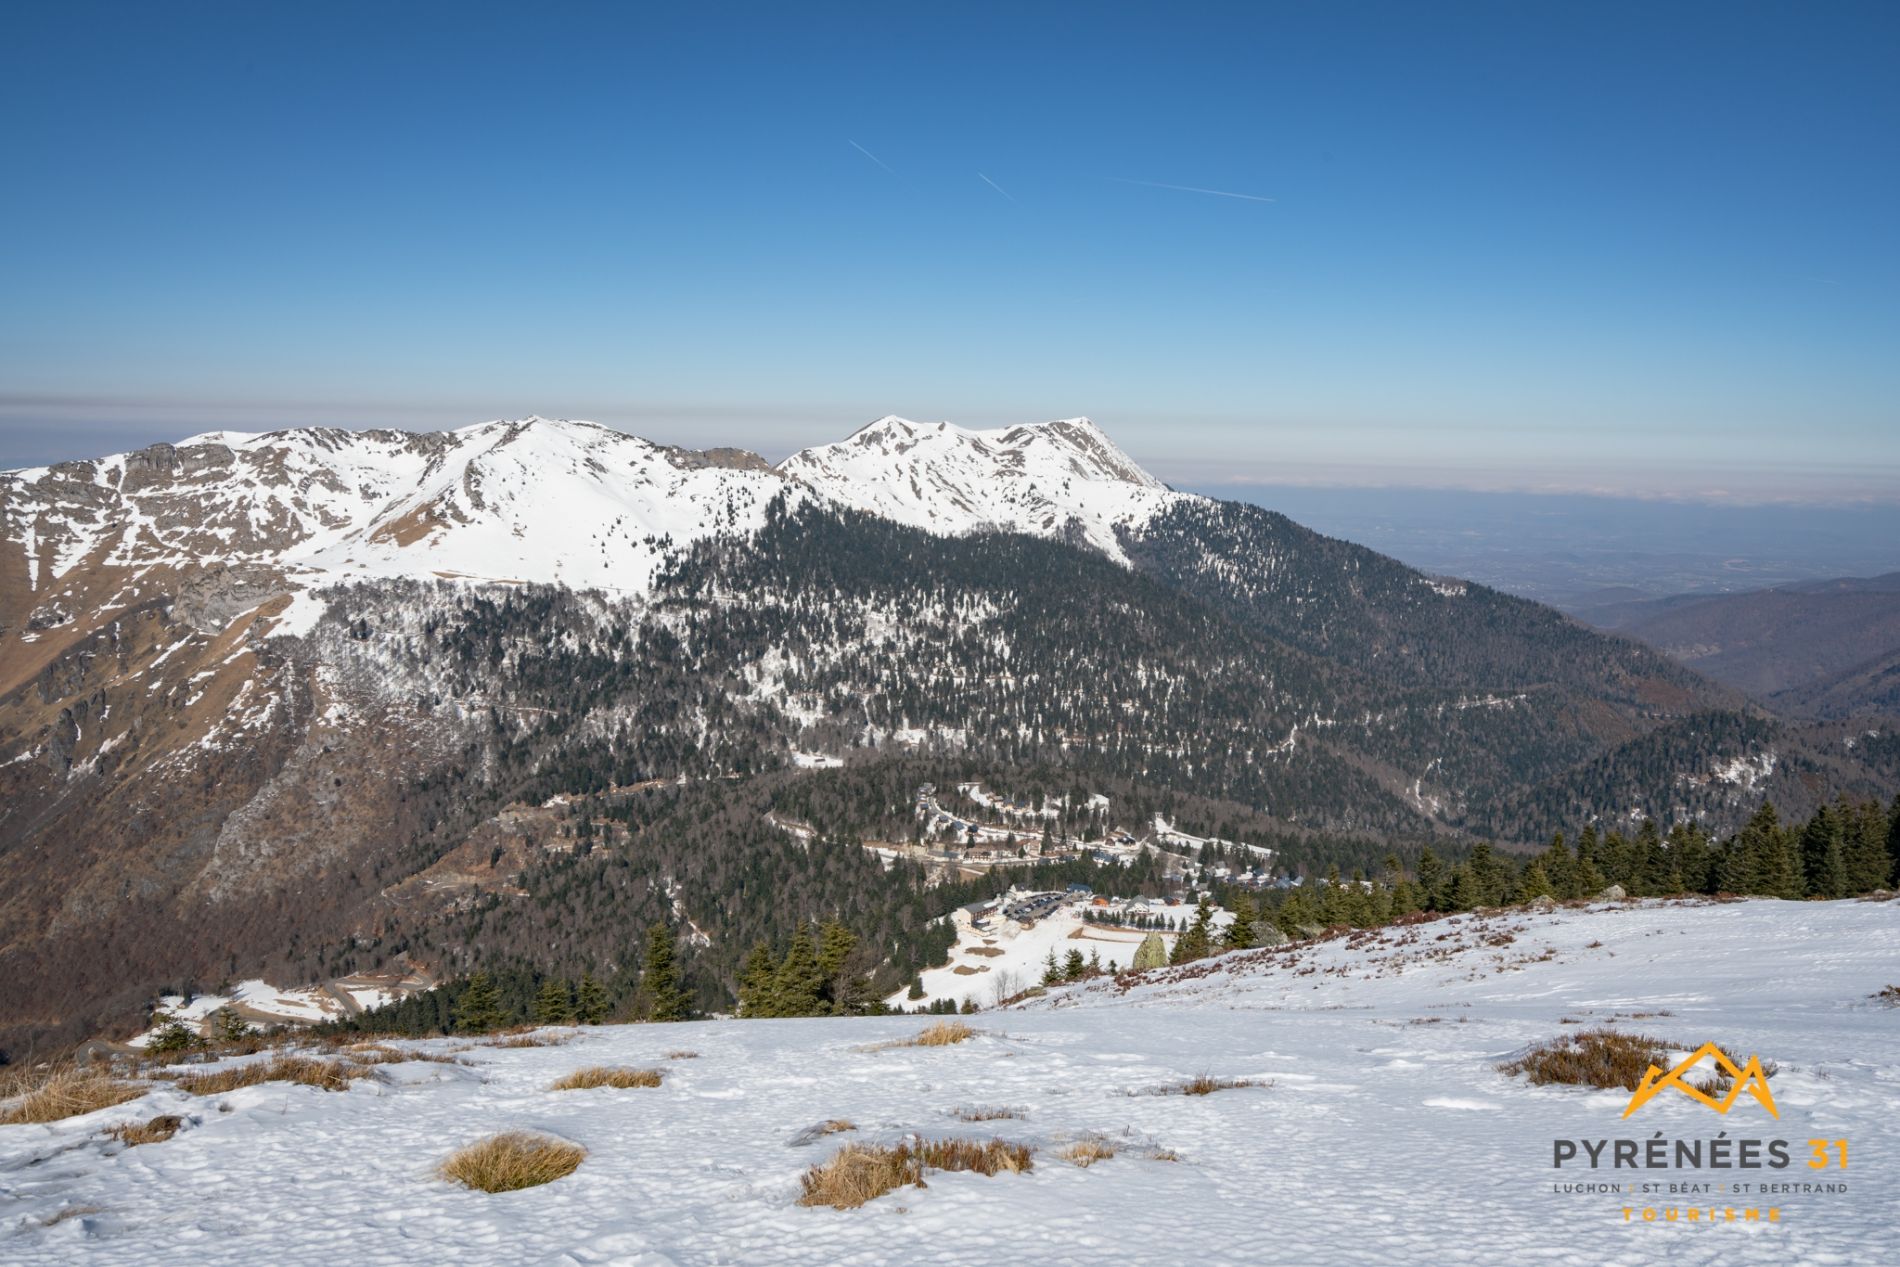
{"x":1381,"y":1130}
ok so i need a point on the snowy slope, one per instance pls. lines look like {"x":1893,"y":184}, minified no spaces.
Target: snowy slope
{"x":1048,"y":480}
{"x":1387,"y":1134}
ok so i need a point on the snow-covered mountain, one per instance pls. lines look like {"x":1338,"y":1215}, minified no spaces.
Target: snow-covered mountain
{"x":1055,"y":479}
{"x":570,"y":503}
{"x":536,"y":500}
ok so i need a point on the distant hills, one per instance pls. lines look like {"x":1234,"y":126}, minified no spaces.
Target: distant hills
{"x":1814,"y":649}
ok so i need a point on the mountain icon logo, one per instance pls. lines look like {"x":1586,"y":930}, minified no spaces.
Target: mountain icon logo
{"x":1748,"y":1078}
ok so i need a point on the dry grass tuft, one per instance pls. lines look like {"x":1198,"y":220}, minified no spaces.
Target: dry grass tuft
{"x":325,"y":1075}
{"x":863,"y":1172}
{"x":834,"y":1126}
{"x":858,"y":1173}
{"x":682,"y":1055}
{"x":1890,"y":996}
{"x":1207,"y":1084}
{"x":512,"y":1161}
{"x":988,"y":1158}
{"x":1163,"y":1154}
{"x":1604,"y":1059}
{"x":51,"y":1095}
{"x":155,"y":1131}
{"x":984,"y":1113}
{"x":529,"y":1040}
{"x":1086,"y":1152}
{"x":942,"y":1034}
{"x":601,"y":1076}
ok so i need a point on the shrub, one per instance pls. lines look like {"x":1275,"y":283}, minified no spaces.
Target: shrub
{"x":68,"y":1092}
{"x":511,"y":1161}
{"x":155,"y":1131}
{"x":173,"y":1036}
{"x":599,"y":1076}
{"x":325,"y":1075}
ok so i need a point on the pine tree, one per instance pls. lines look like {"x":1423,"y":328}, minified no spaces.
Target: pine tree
{"x":1823,"y":868}
{"x":1533,"y":883}
{"x":835,"y":944}
{"x":590,"y":1001}
{"x":758,"y":981}
{"x":1239,"y":934}
{"x":1866,"y":849}
{"x":1196,"y":942}
{"x":1431,"y":882}
{"x":1893,"y":842}
{"x":798,"y":985}
{"x":479,"y":1008}
{"x":1073,"y":967}
{"x":1051,"y":973}
{"x":660,"y":982}
{"x":554,"y":1005}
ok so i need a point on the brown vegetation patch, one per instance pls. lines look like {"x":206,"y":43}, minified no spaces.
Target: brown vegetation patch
{"x":942,"y":1034}
{"x":1890,"y":996}
{"x":155,"y":1131}
{"x":988,"y":952}
{"x":682,"y":1055}
{"x":511,"y":1161}
{"x":1208,"y":1084}
{"x":325,"y":1075}
{"x":529,"y":1040}
{"x":862,"y":1172}
{"x":601,"y":1076}
{"x":1604,"y":1058}
{"x":1086,"y":1152}
{"x":52,"y":1095}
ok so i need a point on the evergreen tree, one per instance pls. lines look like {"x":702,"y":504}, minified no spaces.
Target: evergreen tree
{"x":758,"y":983}
{"x":479,"y":1008}
{"x":554,"y":1005}
{"x":1431,"y":882}
{"x":590,"y":1001}
{"x":1196,"y":942}
{"x":1866,"y":849}
{"x":1823,"y":866}
{"x":660,"y":982}
{"x":1239,"y":934}
{"x":1534,"y":883}
{"x":798,"y":986}
{"x":1074,"y":968}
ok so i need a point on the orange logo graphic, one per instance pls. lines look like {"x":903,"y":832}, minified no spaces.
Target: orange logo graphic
{"x":1749,"y":1078}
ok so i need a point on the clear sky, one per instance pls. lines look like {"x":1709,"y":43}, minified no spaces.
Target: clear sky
{"x":1644,"y":248}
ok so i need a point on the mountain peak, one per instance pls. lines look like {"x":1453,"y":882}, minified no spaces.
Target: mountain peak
{"x":1060,"y":478}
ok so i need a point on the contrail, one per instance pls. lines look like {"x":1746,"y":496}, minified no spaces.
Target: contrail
{"x":993,"y":185}
{"x":1191,"y":189}
{"x":874,"y":158}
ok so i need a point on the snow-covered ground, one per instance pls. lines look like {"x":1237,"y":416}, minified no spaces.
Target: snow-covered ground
{"x":1386,"y":1136}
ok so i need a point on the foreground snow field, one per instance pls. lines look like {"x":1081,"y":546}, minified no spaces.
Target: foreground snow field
{"x":1386,"y":1135}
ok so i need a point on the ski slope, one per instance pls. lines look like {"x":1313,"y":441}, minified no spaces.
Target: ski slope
{"x":1387,"y":1134}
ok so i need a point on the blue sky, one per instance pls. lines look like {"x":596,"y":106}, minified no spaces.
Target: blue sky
{"x":1638,"y":249}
